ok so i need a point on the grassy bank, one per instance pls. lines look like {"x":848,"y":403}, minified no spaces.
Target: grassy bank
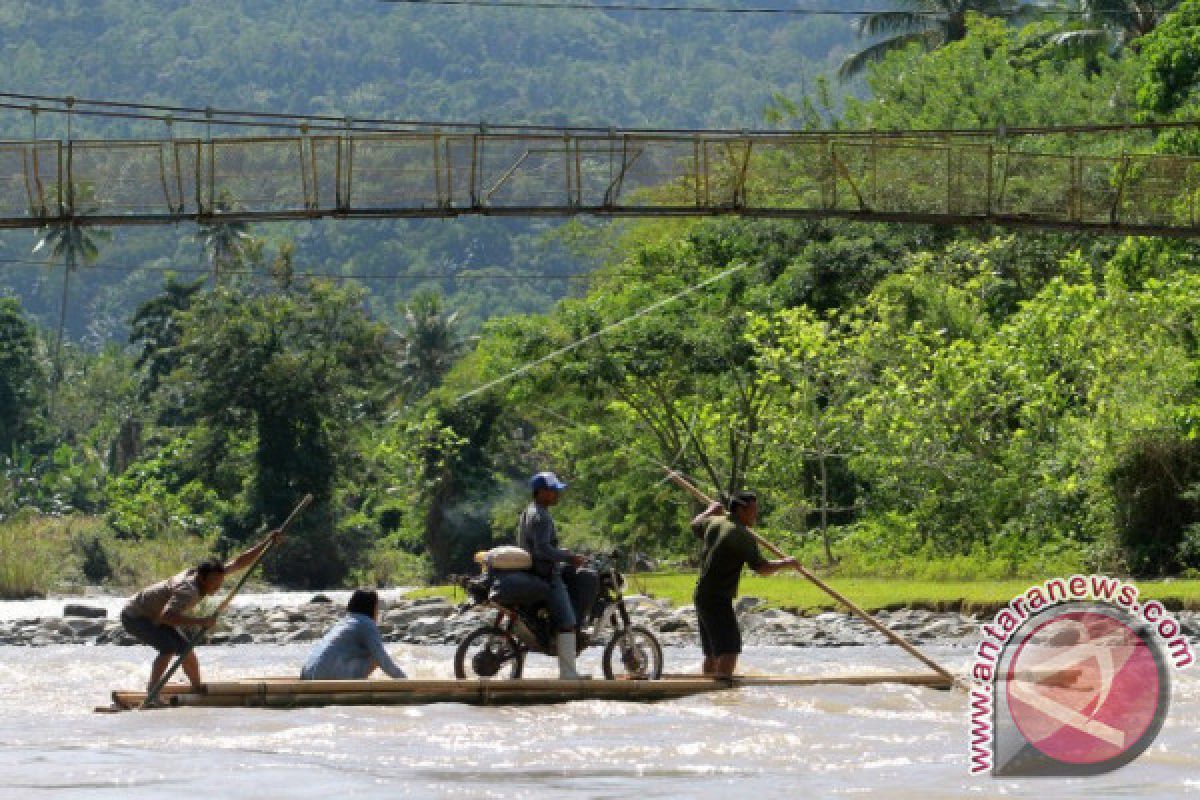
{"x":796,"y":593}
{"x":41,"y":554}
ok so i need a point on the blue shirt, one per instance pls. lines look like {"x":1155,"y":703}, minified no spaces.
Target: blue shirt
{"x":350,"y":650}
{"x":537,"y":534}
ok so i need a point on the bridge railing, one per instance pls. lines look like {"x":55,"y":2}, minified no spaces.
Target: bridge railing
{"x":441,"y":174}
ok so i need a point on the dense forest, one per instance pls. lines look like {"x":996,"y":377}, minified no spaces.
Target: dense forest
{"x":366,"y":59}
{"x":916,"y":401}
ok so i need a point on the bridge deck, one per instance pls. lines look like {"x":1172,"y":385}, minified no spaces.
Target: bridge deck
{"x":918,"y":179}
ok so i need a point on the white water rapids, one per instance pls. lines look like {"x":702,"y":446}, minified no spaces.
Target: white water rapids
{"x":811,"y":742}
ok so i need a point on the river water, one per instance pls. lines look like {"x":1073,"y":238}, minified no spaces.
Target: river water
{"x":877,"y":741}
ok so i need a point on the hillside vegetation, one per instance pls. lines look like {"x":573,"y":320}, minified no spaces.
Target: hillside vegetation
{"x":916,"y":402}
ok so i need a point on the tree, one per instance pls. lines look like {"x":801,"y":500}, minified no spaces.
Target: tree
{"x":1170,"y":58}
{"x":429,"y":343}
{"x":928,"y":23}
{"x":155,"y":327}
{"x":1110,"y":25}
{"x":71,"y":242}
{"x":223,"y":240}
{"x":290,"y":370}
{"x":988,"y":79}
{"x":806,"y":438}
{"x":22,"y":380}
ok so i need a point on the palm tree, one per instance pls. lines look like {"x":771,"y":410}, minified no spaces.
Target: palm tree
{"x":930,"y":23}
{"x":155,"y":328}
{"x":430,"y":342}
{"x":66,"y":239}
{"x":222,"y":239}
{"x":1110,"y":25}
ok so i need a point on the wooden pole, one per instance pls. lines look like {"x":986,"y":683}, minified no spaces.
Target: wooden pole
{"x":895,"y":638}
{"x":198,"y":637}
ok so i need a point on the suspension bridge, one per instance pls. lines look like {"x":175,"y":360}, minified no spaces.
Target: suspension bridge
{"x":901,"y":177}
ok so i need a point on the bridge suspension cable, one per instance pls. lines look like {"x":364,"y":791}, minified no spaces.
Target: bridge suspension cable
{"x":295,"y":121}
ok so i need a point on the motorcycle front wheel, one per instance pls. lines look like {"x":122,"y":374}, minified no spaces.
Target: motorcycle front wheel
{"x":489,"y":653}
{"x":633,"y":653}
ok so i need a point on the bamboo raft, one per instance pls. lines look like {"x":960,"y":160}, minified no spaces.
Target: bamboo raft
{"x":293,"y":693}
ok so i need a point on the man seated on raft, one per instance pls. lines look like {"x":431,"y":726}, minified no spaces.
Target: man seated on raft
{"x":728,"y":545}
{"x":353,"y":648}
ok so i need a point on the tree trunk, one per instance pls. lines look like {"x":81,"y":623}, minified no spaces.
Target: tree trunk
{"x":821,"y":460}
{"x":68,"y":268}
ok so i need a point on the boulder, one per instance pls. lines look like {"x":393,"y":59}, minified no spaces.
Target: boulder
{"x":405,"y":615}
{"x":428,"y":601}
{"x":745,"y":604}
{"x":85,"y":627}
{"x":675,"y":625}
{"x":425,"y":626}
{"x":80,"y":610}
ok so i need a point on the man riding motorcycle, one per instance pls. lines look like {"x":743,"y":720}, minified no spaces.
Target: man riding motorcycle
{"x":536,"y":534}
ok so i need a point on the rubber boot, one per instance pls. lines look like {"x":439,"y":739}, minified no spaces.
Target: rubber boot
{"x":566,"y":659}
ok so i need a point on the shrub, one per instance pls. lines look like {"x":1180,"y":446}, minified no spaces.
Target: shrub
{"x":1154,"y":484}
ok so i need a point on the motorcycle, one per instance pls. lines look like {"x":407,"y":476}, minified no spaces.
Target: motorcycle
{"x":498,"y":649}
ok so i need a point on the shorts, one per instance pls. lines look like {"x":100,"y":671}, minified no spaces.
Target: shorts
{"x":719,"y":633}
{"x":163,"y":638}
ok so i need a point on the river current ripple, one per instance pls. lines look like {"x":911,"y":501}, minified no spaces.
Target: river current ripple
{"x":830,"y":741}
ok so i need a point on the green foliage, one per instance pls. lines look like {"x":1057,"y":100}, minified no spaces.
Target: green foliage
{"x":918,"y":402}
{"x":1156,"y":482}
{"x":429,"y":343}
{"x":94,"y":560}
{"x":988,"y":79}
{"x":924,"y":24}
{"x":22,"y":378}
{"x":293,"y":368}
{"x":374,"y":60}
{"x":1170,"y":58}
{"x":171,"y":494}
{"x":155,"y":329}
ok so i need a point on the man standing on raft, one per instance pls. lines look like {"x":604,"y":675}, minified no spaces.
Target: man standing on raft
{"x":728,"y":545}
{"x":151,"y":615}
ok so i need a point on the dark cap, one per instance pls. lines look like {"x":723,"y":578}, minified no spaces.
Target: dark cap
{"x":546,"y":480}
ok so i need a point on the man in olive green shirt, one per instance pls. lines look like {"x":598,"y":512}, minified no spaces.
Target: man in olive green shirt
{"x":728,"y":546}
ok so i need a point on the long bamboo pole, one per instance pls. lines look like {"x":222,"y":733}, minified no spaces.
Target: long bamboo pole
{"x":894,"y":637}
{"x":198,"y":636}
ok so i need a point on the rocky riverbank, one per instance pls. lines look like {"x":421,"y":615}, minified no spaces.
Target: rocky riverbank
{"x":433,"y":620}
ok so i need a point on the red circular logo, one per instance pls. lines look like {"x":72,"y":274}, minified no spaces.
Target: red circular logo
{"x":1084,"y":688}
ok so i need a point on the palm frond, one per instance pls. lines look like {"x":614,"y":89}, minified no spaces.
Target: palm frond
{"x":1023,"y":13}
{"x":886,"y":23}
{"x":1084,"y":42}
{"x":856,"y":63}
